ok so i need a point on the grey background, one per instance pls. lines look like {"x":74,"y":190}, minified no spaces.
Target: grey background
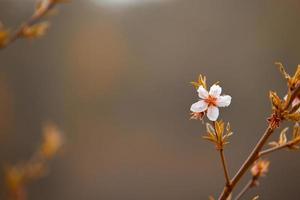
{"x":116,"y":80}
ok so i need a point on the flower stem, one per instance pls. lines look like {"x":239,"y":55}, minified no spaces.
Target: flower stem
{"x":224,"y":165}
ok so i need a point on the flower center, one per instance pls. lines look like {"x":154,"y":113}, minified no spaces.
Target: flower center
{"x":211,"y":101}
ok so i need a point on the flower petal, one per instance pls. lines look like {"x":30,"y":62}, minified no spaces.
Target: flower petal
{"x":215,"y":90}
{"x":213,"y":113}
{"x":199,"y":106}
{"x":202,"y":92}
{"x":224,"y":101}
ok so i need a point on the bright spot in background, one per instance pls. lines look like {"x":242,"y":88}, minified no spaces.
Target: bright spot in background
{"x":125,"y":2}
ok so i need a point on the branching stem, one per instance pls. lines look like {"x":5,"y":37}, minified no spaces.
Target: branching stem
{"x":270,"y":150}
{"x":255,"y":152}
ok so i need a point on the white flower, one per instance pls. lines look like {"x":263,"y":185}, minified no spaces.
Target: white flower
{"x":210,"y":101}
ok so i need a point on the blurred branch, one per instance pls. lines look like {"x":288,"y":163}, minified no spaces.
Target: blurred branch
{"x":19,"y":176}
{"x":31,"y":28}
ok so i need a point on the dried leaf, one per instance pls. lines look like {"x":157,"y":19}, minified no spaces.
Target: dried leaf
{"x":275,"y":100}
{"x":200,"y":82}
{"x":297,"y":73}
{"x":282,"y":138}
{"x":293,"y":116}
{"x":210,"y":128}
{"x":282,"y":70}
{"x":273,"y":144}
{"x":296,"y":131}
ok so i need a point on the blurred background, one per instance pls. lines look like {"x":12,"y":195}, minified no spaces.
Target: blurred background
{"x":114,"y":75}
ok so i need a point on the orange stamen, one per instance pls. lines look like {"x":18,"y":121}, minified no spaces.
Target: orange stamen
{"x":211,"y":101}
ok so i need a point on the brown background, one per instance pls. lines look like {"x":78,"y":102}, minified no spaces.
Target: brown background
{"x":116,"y":79}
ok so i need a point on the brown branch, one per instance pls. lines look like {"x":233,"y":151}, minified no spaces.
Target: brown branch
{"x":249,"y":161}
{"x":255,"y":152}
{"x":31,"y":21}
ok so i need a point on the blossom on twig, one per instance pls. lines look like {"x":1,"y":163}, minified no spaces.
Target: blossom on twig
{"x":210,"y":101}
{"x":260,"y":168}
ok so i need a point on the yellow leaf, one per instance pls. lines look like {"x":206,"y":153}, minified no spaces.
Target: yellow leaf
{"x":275,"y":100}
{"x":200,"y":82}
{"x":282,"y":138}
{"x":273,"y":144}
{"x":282,"y":70}
{"x":296,"y":131}
{"x":297,"y":74}
{"x":293,"y":116}
{"x":210,"y":128}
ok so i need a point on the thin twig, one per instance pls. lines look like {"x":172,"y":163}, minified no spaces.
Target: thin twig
{"x":276,"y":148}
{"x":223,"y":160}
{"x":253,"y":155}
{"x":224,"y":165}
{"x":245,"y":189}
{"x":249,"y":161}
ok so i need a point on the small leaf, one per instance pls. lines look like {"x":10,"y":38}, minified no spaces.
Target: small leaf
{"x":209,"y":139}
{"x":200,"y":82}
{"x":196,"y":85}
{"x":297,"y":74}
{"x":228,"y":129}
{"x":219,"y":126}
{"x":293,"y":116}
{"x":282,"y":70}
{"x":296,"y":130}
{"x":273,"y":144}
{"x":210,"y":128}
{"x":282,"y":138}
{"x":275,"y":100}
